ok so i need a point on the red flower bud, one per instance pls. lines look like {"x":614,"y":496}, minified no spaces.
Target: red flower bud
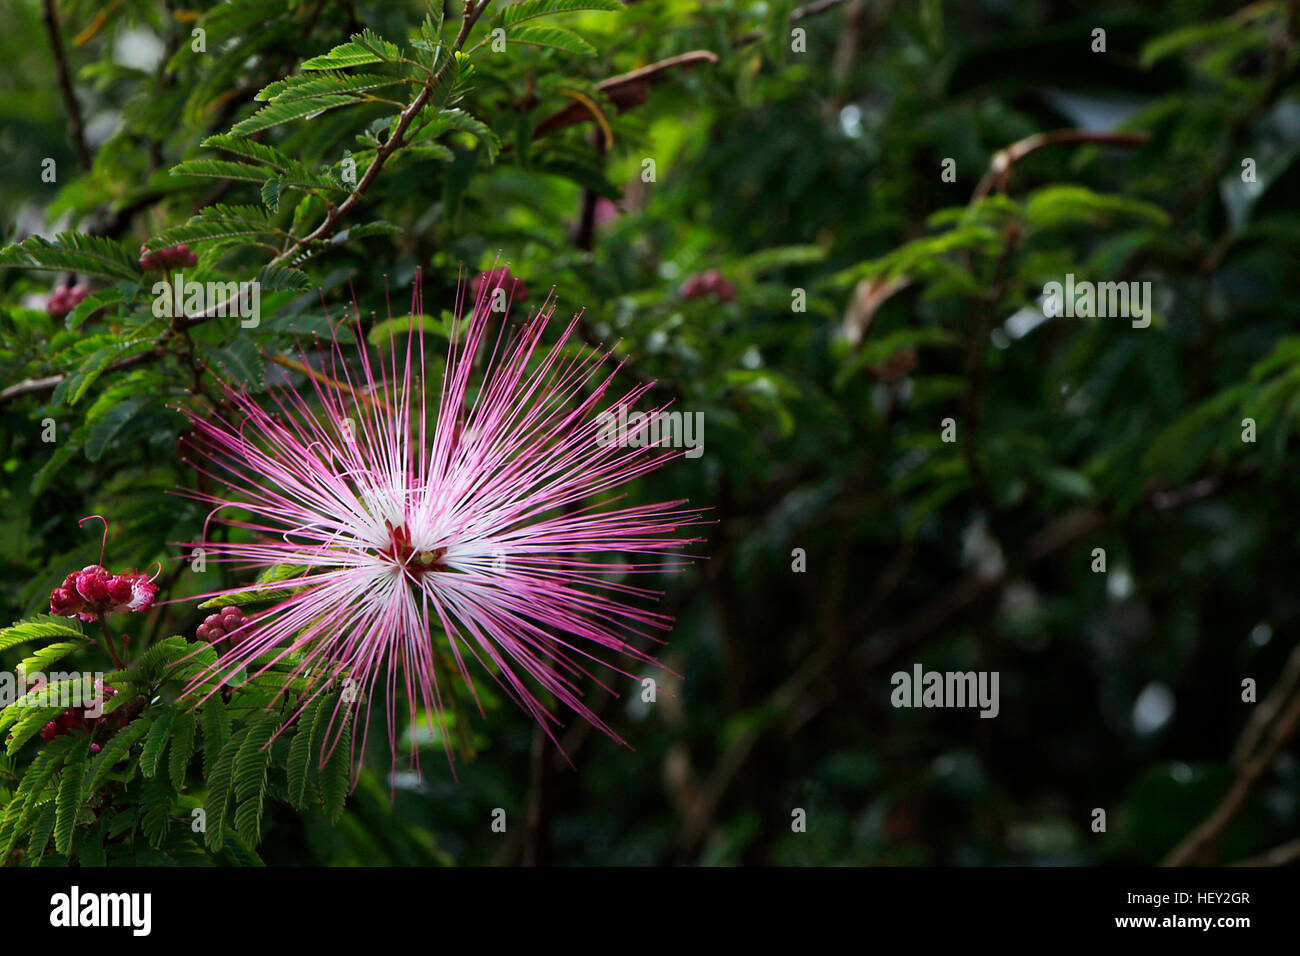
{"x":92,"y":584}
{"x":119,"y":588}
{"x":65,"y":602}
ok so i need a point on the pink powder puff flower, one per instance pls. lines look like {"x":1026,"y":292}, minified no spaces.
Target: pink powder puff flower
{"x":483,"y":529}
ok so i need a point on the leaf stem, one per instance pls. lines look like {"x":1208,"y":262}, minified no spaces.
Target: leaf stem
{"x":118,"y":661}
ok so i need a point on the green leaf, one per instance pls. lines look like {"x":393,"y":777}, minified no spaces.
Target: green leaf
{"x":324,"y":84}
{"x":250,"y":149}
{"x":240,"y":362}
{"x":301,"y":749}
{"x":98,"y":300}
{"x":35,"y":628}
{"x":528,"y":9}
{"x":72,"y":252}
{"x":254,"y":756}
{"x":157,"y":800}
{"x":1168,"y":44}
{"x":70,"y":790}
{"x":107,"y":428}
{"x":1076,"y":205}
{"x":779,"y":257}
{"x":367,"y":229}
{"x":199,"y":231}
{"x":336,"y":775}
{"x":23,"y":806}
{"x":277,"y":113}
{"x":565,"y":40}
{"x":215,"y":719}
{"x":63,"y":454}
{"x":250,"y":777}
{"x":76,"y":384}
{"x":50,"y":654}
{"x":182,"y":749}
{"x":283,"y":279}
{"x":364,"y":47}
{"x":241,"y":854}
{"x":30,"y":720}
{"x":272,"y":575}
{"x":221,"y":169}
{"x":271,"y":193}
{"x":117,"y":748}
{"x":151,"y":755}
{"x":219,"y":785}
{"x":457,"y":120}
{"x":41,"y":831}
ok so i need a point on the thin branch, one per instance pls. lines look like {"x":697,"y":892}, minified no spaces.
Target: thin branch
{"x":625,"y":91}
{"x":76,"y":125}
{"x":1004,"y":160}
{"x":285,"y":362}
{"x":1263,"y":716}
{"x":395,"y":140}
{"x":1198,"y":846}
{"x":1278,"y":856}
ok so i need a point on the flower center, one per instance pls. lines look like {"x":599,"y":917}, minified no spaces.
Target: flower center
{"x":401,"y":552}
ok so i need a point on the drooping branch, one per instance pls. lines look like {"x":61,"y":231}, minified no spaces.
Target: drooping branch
{"x":1004,"y":160}
{"x":625,"y":91}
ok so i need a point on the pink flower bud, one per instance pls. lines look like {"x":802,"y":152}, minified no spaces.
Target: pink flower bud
{"x":92,"y":584}
{"x":119,"y":588}
{"x":65,"y":602}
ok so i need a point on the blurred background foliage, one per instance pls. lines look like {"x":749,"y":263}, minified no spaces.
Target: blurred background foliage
{"x":799,"y":151}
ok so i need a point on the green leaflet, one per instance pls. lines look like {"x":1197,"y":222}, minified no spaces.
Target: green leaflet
{"x":35,"y":628}
{"x":219,"y":786}
{"x":215,"y":721}
{"x":72,"y":252}
{"x":530,"y":9}
{"x":151,"y":754}
{"x":554,"y":37}
{"x":116,"y":749}
{"x":48,"y":654}
{"x":182,"y":748}
{"x":336,"y":774}
{"x":302,"y":748}
{"x":71,"y":785}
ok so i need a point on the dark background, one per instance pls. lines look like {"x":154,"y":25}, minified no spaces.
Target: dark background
{"x":818,"y":171}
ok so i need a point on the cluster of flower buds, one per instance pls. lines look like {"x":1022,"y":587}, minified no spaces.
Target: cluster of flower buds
{"x":65,"y":299}
{"x":501,"y":278}
{"x":225,"y":623}
{"x":708,"y":283}
{"x":169,"y":258}
{"x":92,"y":591}
{"x":76,"y":719}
